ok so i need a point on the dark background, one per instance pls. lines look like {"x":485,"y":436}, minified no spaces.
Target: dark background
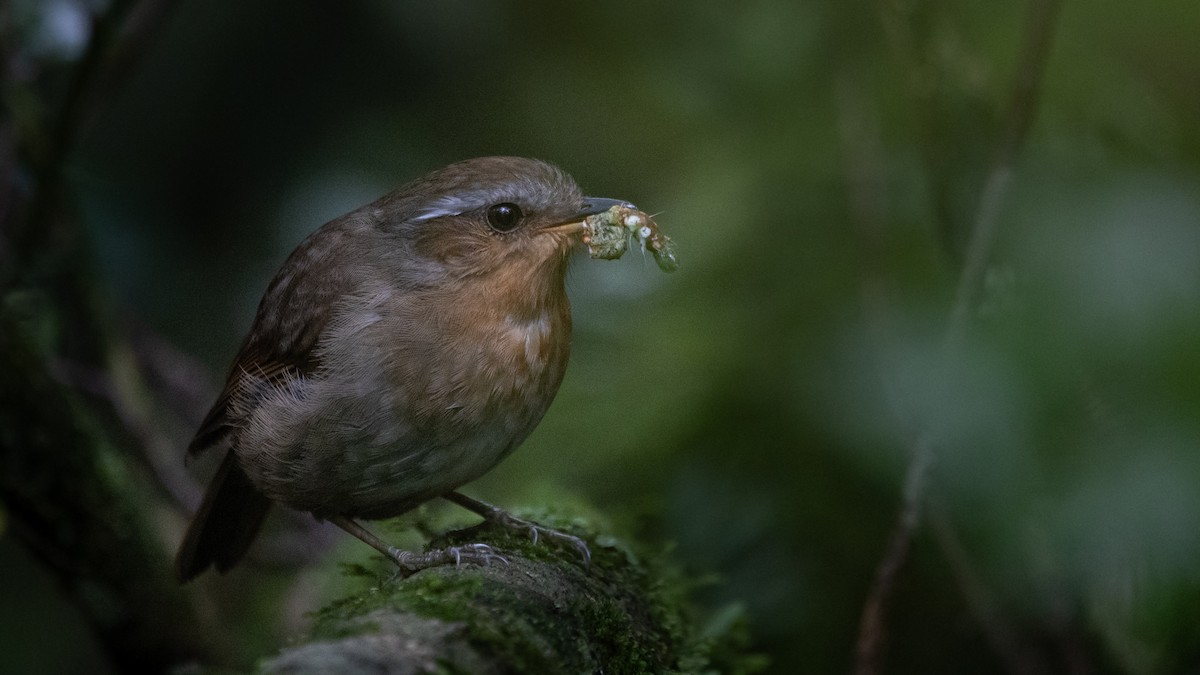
{"x":821,"y":166}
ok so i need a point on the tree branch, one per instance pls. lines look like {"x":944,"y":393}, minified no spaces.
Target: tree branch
{"x":1038,"y":33}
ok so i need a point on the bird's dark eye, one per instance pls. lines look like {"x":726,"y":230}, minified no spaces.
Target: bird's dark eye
{"x":504,"y":217}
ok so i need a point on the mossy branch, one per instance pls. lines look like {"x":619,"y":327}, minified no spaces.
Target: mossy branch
{"x":542,"y":612}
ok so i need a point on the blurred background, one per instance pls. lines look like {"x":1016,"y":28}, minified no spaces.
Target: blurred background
{"x":822,"y":167}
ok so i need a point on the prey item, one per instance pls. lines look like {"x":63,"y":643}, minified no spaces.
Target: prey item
{"x":607,"y":235}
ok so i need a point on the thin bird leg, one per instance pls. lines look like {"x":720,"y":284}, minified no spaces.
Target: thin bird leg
{"x":411,"y":563}
{"x":499,"y":516}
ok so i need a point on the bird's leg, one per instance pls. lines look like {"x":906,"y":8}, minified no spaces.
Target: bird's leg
{"x":499,"y":516}
{"x":410,"y":562}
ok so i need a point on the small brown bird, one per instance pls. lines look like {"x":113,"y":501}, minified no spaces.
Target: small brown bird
{"x":402,"y":351}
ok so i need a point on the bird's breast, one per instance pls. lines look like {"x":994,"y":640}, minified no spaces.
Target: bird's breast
{"x":507,"y":367}
{"x":526,"y":339}
{"x":414,"y":398}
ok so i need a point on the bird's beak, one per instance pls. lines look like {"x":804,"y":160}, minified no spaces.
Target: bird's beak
{"x":591,"y":206}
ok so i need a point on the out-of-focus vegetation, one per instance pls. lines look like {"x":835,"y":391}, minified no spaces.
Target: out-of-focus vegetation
{"x":820,"y":166}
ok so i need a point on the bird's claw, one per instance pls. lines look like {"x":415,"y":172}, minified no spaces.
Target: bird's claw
{"x":479,"y":553}
{"x":410,"y":563}
{"x":536,"y":531}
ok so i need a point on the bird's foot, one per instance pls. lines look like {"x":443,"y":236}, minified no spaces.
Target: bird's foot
{"x":499,"y":516}
{"x":410,"y":563}
{"x":536,"y":532}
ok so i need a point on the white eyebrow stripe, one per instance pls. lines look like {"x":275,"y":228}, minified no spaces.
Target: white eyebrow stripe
{"x":431,"y":213}
{"x":452,"y":205}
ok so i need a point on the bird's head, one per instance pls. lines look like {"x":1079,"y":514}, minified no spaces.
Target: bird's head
{"x":511,"y":216}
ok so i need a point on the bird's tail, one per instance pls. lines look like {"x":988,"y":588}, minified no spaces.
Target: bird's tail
{"x":228,"y":520}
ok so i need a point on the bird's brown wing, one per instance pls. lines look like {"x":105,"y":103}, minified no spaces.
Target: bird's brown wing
{"x":280,"y":347}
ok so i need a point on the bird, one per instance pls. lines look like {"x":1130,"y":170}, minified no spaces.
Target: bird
{"x":402,"y":351}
